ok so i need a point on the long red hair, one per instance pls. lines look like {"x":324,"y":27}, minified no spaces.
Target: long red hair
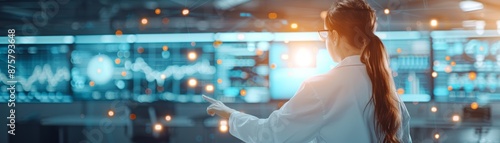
{"x":355,"y":20}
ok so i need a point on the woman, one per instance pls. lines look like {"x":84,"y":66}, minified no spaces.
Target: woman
{"x":355,"y":102}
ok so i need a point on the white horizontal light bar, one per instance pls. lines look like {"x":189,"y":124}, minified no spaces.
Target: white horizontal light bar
{"x":184,"y":37}
{"x":87,"y":39}
{"x":296,"y":36}
{"x":416,"y":97}
{"x":40,"y":40}
{"x":228,"y":37}
{"x":244,"y":36}
{"x":399,"y":35}
{"x":463,"y":34}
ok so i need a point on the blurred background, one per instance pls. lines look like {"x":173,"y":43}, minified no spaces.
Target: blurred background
{"x":124,"y":71}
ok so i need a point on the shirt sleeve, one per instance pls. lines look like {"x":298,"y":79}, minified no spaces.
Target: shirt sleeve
{"x":297,"y":121}
{"x":405,"y":123}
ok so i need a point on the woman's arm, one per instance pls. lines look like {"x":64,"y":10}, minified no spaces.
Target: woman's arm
{"x":405,"y":123}
{"x":299,"y":120}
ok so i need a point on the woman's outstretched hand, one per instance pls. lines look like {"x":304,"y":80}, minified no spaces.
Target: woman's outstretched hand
{"x":217,"y":107}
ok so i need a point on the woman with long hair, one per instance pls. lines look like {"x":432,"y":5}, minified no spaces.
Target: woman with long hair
{"x":355,"y":102}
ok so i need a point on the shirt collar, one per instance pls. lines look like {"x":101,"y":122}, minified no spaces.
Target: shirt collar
{"x":350,"y":61}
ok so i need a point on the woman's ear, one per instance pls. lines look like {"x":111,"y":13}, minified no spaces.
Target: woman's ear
{"x":335,"y":37}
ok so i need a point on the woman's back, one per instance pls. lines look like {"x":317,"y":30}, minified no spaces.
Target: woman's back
{"x":345,"y":92}
{"x":349,"y":115}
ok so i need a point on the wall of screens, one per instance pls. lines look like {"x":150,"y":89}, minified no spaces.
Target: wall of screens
{"x":467,"y":65}
{"x":242,"y":67}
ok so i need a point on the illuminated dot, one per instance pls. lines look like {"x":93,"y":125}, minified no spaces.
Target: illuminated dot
{"x":124,"y":73}
{"x":398,"y":50}
{"x":223,"y":122}
{"x":284,"y":56}
{"x":453,"y":63}
{"x":100,"y":59}
{"x":472,"y":75}
{"x":185,"y":11}
{"x":272,"y":15}
{"x":387,"y":11}
{"x":165,"y":20}
{"x":474,"y":105}
{"x":217,"y":43}
{"x":294,"y":26}
{"x":243,"y":92}
{"x":148,"y":91}
{"x":434,"y":109}
{"x":144,"y":21}
{"x":192,"y":56}
{"x":132,"y":116}
{"x":168,"y":118}
{"x":165,"y":48}
{"x":219,"y":61}
{"x":159,"y":88}
{"x":117,"y":61}
{"x":455,"y":118}
{"x":91,"y":83}
{"x":434,"y":23}
{"x":436,"y":136}
{"x":434,"y":74}
{"x":323,"y":14}
{"x":98,"y":70}
{"x":111,"y":113}
{"x":273,"y":66}
{"x":193,"y":44}
{"x":481,"y":48}
{"x":192,"y":82}
{"x":223,"y":128}
{"x":158,"y":127}
{"x":157,"y":11}
{"x":162,"y":76}
{"x":209,"y":88}
{"x":259,"y":52}
{"x":447,"y":58}
{"x":219,"y":81}
{"x":401,"y":91}
{"x":450,"y":88}
{"x":447,"y":69}
{"x":286,"y":41}
{"x":140,"y":50}
{"x":118,"y":33}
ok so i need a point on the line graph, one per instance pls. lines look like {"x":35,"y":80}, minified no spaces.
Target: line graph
{"x":41,"y":74}
{"x":175,"y":71}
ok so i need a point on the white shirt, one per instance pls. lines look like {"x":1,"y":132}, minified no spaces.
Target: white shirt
{"x":327,"y":108}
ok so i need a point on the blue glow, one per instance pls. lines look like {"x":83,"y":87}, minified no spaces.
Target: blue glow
{"x":463,"y":34}
{"x":39,"y":40}
{"x":416,"y":98}
{"x":244,"y":36}
{"x":296,"y":36}
{"x":161,"y":38}
{"x":100,"y":69}
{"x":88,"y":39}
{"x":292,"y":78}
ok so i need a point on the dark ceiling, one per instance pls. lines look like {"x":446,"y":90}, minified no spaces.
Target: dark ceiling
{"x":72,"y":17}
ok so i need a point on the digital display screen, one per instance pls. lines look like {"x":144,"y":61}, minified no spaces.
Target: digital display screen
{"x":42,"y":73}
{"x":293,"y":63}
{"x":467,"y":69}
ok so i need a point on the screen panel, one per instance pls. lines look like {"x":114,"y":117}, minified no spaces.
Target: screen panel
{"x":42,"y":73}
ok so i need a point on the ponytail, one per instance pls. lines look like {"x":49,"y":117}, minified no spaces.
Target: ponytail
{"x":387,"y":116}
{"x":358,"y":14}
